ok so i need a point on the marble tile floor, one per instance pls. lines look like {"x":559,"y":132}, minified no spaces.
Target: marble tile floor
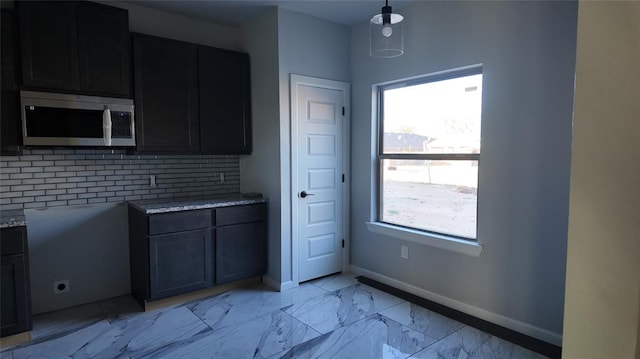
{"x":332,"y":317}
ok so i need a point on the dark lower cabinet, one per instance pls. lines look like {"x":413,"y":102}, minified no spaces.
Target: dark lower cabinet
{"x":179,"y":252}
{"x":15,"y":287}
{"x":241,"y":240}
{"x":180,"y":262}
{"x":240,"y":251}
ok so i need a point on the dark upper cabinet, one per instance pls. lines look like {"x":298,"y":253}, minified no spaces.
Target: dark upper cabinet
{"x":14,"y":285}
{"x":190,"y":98}
{"x":73,"y":46}
{"x":10,"y":135}
{"x":49,"y":42}
{"x":104,"y":46}
{"x":225,"y":106}
{"x":166,"y":95}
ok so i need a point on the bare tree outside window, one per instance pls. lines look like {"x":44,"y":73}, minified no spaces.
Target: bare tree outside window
{"x":429,"y":152}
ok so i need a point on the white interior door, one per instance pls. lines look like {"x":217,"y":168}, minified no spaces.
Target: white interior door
{"x":318,"y":169}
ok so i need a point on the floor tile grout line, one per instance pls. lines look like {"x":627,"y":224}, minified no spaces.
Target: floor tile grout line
{"x":437,"y":341}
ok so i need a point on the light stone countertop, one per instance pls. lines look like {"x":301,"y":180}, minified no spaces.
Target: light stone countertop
{"x":14,"y":218}
{"x":164,"y":205}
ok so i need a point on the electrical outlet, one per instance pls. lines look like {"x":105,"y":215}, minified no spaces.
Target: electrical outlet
{"x":221,"y":177}
{"x":61,"y":286}
{"x":152,"y":180}
{"x":404,"y":252}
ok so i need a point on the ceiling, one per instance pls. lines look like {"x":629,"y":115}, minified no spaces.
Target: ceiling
{"x":236,"y":12}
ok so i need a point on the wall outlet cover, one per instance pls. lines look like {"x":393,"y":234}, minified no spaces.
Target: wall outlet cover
{"x":404,"y":252}
{"x":61,"y":286}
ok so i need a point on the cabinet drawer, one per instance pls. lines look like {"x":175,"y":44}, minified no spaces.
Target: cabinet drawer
{"x":13,"y":241}
{"x":241,"y":214}
{"x":179,"y":221}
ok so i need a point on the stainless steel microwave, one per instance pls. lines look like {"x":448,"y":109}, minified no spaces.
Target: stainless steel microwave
{"x":52,"y":119}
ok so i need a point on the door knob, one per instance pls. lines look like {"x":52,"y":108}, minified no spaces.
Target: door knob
{"x":304,"y":194}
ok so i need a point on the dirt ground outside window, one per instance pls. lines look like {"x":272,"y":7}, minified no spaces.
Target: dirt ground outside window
{"x":443,"y":208}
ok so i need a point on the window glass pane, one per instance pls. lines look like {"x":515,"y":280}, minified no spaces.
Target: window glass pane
{"x":434,"y":117}
{"x":436,"y":196}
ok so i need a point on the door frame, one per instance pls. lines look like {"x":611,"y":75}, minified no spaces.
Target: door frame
{"x":345,"y":87}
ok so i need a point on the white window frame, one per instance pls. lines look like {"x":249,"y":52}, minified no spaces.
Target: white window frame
{"x":443,"y":241}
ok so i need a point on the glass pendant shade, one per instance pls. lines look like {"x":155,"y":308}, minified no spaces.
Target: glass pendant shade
{"x":387,"y":39}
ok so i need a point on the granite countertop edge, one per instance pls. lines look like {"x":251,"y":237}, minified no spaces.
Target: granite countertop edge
{"x":10,"y":219}
{"x":11,"y":223}
{"x":190,"y":204}
{"x":17,"y":218}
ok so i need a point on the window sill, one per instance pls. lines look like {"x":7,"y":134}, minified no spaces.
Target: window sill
{"x":429,"y":239}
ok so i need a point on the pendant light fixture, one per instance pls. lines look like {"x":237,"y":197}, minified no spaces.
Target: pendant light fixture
{"x":386,"y":33}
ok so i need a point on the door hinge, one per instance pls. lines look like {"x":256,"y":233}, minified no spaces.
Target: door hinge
{"x":343,"y":178}
{"x":342,"y":110}
{"x":343,"y":243}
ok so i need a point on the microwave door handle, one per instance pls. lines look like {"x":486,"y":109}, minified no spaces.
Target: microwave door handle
{"x":106,"y":126}
{"x":133,"y":126}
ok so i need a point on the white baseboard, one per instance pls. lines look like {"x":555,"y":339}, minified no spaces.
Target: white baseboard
{"x":277,"y":285}
{"x":516,"y":325}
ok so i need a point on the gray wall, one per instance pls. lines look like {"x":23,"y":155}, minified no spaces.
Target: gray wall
{"x":261,"y":170}
{"x":312,"y":47}
{"x":173,"y":26}
{"x":280,"y":43}
{"x":528,"y":54}
{"x":602,"y":307}
{"x":87,"y":245}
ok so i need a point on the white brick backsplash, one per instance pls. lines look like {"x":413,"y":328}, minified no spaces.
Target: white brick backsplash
{"x":22,"y":199}
{"x":20,"y":164}
{"x":21,"y":175}
{"x":56,"y":203}
{"x":45,"y":178}
{"x":8,"y":182}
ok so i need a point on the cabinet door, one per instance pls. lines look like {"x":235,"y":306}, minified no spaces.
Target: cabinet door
{"x":225,"y":107}
{"x":180,"y":263}
{"x":11,"y":136}
{"x":166,"y":95}
{"x":104,"y":49}
{"x":240,"y":251}
{"x":49,"y":44}
{"x":16,"y":314}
